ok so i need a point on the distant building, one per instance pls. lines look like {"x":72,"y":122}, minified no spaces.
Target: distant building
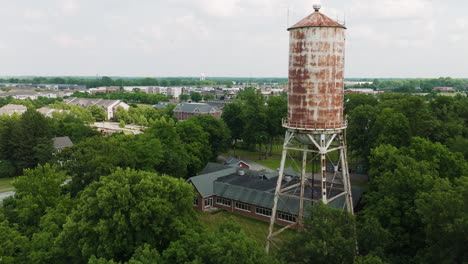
{"x":361,"y":91}
{"x":187,"y":110}
{"x":110,"y":106}
{"x":219,"y":103}
{"x":444,"y":89}
{"x":61,"y":142}
{"x":174,"y":91}
{"x":11,"y":109}
{"x":237,"y":162}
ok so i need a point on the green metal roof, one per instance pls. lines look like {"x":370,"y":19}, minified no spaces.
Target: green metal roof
{"x":204,"y":182}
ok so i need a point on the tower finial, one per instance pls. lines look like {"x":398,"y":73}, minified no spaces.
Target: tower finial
{"x":317,"y":7}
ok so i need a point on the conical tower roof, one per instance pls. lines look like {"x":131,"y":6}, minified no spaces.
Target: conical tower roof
{"x":317,"y":19}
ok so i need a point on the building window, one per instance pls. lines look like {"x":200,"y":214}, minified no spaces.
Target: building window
{"x":195,"y":201}
{"x":242,"y":206}
{"x":223,"y":201}
{"x":263,"y":211}
{"x":286,"y":217}
{"x":208,"y":202}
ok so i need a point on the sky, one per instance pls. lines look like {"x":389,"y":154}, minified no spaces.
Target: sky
{"x":226,"y":38}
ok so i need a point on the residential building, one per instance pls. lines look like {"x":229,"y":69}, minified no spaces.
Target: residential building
{"x":444,"y":89}
{"x":250,"y":193}
{"x":61,"y":142}
{"x":110,"y":106}
{"x":187,"y":110}
{"x":11,"y":109}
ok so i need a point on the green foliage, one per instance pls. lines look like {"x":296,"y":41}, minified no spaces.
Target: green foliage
{"x":124,"y":211}
{"x":37,"y":190}
{"x":232,"y":117}
{"x":330,"y":237}
{"x":175,"y":156}
{"x":361,"y":122}
{"x":25,"y":141}
{"x":64,"y":124}
{"x":444,"y":213}
{"x":391,"y":128}
{"x":98,"y":113}
{"x":184,"y":97}
{"x":218,"y":133}
{"x":86,"y":161}
{"x":229,"y":245}
{"x":13,"y":245}
{"x":208,"y":96}
{"x":412,"y":199}
{"x":195,"y":96}
{"x":196,"y":143}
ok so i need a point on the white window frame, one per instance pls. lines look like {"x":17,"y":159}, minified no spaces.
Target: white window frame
{"x":238,"y":206}
{"x":286,"y":215}
{"x":264,"y":210}
{"x":223,"y":201}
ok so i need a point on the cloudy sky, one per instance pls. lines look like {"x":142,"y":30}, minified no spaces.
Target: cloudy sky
{"x":385,"y":38}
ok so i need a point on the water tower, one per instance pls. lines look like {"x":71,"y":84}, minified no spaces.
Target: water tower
{"x":315,"y":135}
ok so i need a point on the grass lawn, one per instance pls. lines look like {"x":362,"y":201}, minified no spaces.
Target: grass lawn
{"x":144,"y":105}
{"x":256,"y":229}
{"x":5,"y":184}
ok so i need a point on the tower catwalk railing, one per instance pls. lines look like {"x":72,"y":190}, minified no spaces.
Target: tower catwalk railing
{"x":293,"y":196}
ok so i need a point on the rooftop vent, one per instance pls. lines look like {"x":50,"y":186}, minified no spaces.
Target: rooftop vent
{"x":241,"y":173}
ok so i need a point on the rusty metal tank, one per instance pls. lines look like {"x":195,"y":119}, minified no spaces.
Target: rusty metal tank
{"x":316,"y":72}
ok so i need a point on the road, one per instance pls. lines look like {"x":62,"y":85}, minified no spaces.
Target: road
{"x":4,"y":195}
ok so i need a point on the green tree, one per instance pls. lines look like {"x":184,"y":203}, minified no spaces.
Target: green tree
{"x":195,"y":96}
{"x":98,"y":113}
{"x":391,"y":128}
{"x":330,"y":237}
{"x":232,"y":116}
{"x":32,"y":141}
{"x":124,"y":211}
{"x":361,"y":121}
{"x":86,"y":161}
{"x":13,"y":245}
{"x":184,"y":97}
{"x":255,"y":118}
{"x":396,"y":181}
{"x":197,"y":145}
{"x":444,"y":213}
{"x":37,"y":190}
{"x":276,"y":110}
{"x":208,"y":96}
{"x":218,"y":133}
{"x":228,"y":245}
{"x":175,"y":159}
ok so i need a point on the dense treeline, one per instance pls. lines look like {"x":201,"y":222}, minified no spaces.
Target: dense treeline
{"x":36,"y":104}
{"x":414,"y":85}
{"x":26,"y":140}
{"x":91,"y":82}
{"x":396,"y":118}
{"x":397,"y":85}
{"x":255,"y":119}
